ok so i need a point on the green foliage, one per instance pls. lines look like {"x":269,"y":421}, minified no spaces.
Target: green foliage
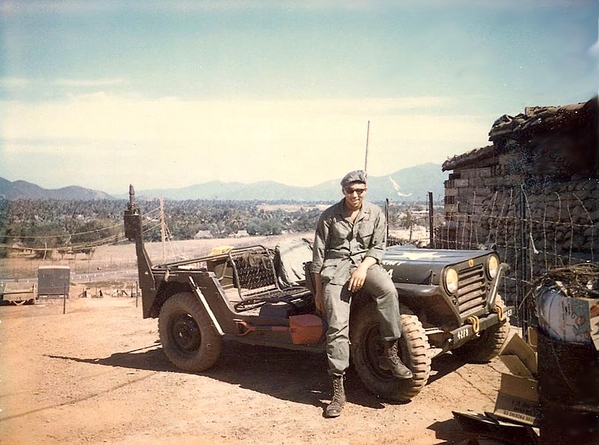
{"x":93,"y":232}
{"x":4,"y":240}
{"x":305,"y":221}
{"x":43,"y":236}
{"x":264,"y":227}
{"x":74,"y":226}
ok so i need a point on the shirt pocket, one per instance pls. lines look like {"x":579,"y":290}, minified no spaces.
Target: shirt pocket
{"x":365,"y":233}
{"x":340,"y":234}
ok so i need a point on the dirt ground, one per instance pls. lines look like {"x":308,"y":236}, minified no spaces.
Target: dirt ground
{"x":96,"y":374}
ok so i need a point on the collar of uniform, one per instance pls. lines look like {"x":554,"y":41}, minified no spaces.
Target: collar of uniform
{"x":364,"y":212}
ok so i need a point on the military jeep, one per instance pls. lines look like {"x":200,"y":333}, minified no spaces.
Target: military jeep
{"x":256,"y":295}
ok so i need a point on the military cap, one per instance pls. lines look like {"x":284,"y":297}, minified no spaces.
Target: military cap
{"x":355,"y":176}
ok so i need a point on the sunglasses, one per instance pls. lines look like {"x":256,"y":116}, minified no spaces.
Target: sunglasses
{"x":351,"y":191}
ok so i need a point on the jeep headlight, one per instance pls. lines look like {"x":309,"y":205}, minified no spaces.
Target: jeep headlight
{"x":450,"y":279}
{"x":492,"y":266}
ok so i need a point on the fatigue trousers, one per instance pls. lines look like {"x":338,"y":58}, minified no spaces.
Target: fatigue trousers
{"x":337,"y":303}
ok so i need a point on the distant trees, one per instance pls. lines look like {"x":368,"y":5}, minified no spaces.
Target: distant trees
{"x":80,"y":226}
{"x":258,"y":226}
{"x":95,"y":232}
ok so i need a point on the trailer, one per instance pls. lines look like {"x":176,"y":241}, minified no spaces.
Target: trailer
{"x":18,"y":293}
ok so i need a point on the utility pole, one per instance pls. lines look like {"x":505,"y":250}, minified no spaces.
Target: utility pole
{"x":163,"y":229}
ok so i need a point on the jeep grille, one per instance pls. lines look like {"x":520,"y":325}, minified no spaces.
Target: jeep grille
{"x":472,"y":295}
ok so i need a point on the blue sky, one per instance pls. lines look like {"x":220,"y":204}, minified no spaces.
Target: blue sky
{"x":165,"y":94}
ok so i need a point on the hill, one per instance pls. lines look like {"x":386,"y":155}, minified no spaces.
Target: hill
{"x":406,"y":185}
{"x":409,"y":185}
{"x":27,"y":190}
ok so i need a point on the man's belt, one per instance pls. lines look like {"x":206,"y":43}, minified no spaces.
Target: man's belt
{"x":344,"y":256}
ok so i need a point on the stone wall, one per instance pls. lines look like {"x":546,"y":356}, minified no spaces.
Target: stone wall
{"x":533,"y":229}
{"x":532,"y":195}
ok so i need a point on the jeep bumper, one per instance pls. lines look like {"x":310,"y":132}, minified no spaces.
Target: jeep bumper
{"x":451,"y":339}
{"x":476,"y":325}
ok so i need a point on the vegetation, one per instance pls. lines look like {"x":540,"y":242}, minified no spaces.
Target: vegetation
{"x":80,"y":226}
{"x":75,"y":226}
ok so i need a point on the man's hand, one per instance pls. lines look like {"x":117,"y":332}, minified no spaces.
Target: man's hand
{"x":356,"y":281}
{"x":319,"y":301}
{"x":358,"y":276}
{"x":318,"y":294}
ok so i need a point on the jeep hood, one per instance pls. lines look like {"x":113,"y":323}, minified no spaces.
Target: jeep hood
{"x":424,"y":266}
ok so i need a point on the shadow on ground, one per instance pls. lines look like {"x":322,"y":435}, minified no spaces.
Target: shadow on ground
{"x":295,"y":376}
{"x":444,"y":365}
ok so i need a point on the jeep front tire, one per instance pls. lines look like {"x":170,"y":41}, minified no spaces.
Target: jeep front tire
{"x":367,"y":347}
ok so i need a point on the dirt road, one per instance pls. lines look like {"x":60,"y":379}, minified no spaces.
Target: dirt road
{"x":97,"y":375}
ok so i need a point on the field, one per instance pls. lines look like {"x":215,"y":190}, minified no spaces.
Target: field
{"x":113,"y":267}
{"x":91,"y":371}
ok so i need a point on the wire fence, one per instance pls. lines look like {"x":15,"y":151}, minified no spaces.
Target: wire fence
{"x":535,"y":229}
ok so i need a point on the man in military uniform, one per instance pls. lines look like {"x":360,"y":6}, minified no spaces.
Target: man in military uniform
{"x":349,"y":244}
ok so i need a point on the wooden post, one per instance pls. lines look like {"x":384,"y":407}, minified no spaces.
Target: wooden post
{"x":162,"y":229}
{"x":430,"y":220}
{"x":387,"y":216}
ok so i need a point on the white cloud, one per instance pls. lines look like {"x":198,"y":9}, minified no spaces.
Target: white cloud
{"x":89,"y":82}
{"x":171,"y":142}
{"x":14,"y":82}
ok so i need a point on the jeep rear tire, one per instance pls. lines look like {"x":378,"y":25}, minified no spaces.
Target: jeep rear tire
{"x":488,"y":344}
{"x":367,"y":347}
{"x":188,"y":338}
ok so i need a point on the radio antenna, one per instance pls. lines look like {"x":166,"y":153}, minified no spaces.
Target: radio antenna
{"x":366,"y":155}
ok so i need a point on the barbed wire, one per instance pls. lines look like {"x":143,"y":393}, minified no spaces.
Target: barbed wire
{"x":99,"y":230}
{"x":535,"y":232}
{"x":74,"y":234}
{"x":88,"y":245}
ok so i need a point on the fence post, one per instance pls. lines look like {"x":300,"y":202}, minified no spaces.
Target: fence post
{"x":522,"y":287}
{"x":430,"y":220}
{"x":387,"y":217}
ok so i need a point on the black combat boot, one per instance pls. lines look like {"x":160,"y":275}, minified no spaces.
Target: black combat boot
{"x":390,"y":361}
{"x":336,"y":406}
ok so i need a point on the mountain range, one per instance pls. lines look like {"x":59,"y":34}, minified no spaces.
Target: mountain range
{"x":27,"y":190}
{"x":406,"y":185}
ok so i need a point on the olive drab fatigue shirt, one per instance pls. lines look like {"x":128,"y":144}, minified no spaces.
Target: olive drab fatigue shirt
{"x":340,"y":245}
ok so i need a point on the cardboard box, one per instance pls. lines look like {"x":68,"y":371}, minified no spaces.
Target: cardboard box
{"x":515,"y":366}
{"x":517,"y":400}
{"x":516,"y":346}
{"x":533,"y":338}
